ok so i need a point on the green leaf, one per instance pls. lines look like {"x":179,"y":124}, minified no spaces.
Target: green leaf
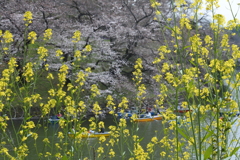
{"x":182,"y":133}
{"x":140,"y":139}
{"x":169,"y":28}
{"x":234,"y":151}
{"x":210,"y":133}
{"x":208,"y":152}
{"x":192,"y":63}
{"x":186,"y":47}
{"x":28,"y":118}
{"x":130,"y":151}
{"x":234,"y":121}
{"x":64,"y":158}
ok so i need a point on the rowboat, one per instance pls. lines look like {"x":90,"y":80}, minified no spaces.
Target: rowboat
{"x":53,"y":120}
{"x":89,"y":135}
{"x":124,"y":115}
{"x":146,"y":119}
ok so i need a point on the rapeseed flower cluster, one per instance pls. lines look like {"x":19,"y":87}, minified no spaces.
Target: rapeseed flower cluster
{"x":96,"y":108}
{"x":115,"y":133}
{"x":162,"y":50}
{"x":28,"y":72}
{"x":88,"y":48}
{"x":185,"y":22}
{"x":138,"y":151}
{"x":81,"y":78}
{"x":6,"y":42}
{"x":59,"y":53}
{"x":231,"y":24}
{"x":43,"y":52}
{"x":62,"y":75}
{"x":22,"y":151}
{"x":82,"y":107}
{"x":210,"y":4}
{"x":70,"y":109}
{"x":76,"y":36}
{"x":123,"y":104}
{"x":32,"y":36}
{"x":46,"y":108}
{"x":110,"y":104}
{"x":7,"y":37}
{"x":3,"y":122}
{"x":220,"y":19}
{"x":95,"y":91}
{"x":78,"y":55}
{"x":111,"y":153}
{"x":47,"y":34}
{"x":28,"y":18}
{"x":141,"y":92}
{"x":154,"y":3}
{"x":138,"y":72}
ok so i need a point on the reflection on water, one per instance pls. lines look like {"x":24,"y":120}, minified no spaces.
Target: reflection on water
{"x":145,"y":130}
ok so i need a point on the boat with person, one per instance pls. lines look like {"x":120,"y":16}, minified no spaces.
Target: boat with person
{"x":55,"y":119}
{"x":144,"y":118}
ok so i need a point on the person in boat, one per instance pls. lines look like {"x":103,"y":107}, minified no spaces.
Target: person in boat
{"x":91,"y":131}
{"x":102,"y":130}
{"x":148,"y":115}
{"x":179,"y":107}
{"x":59,"y":115}
{"x":54,"y":117}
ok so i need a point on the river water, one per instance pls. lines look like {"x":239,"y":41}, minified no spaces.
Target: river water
{"x":145,"y":130}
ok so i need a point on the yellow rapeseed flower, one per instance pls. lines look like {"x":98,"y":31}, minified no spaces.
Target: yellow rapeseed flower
{"x":30,"y":124}
{"x":154,"y":3}
{"x":88,"y":48}
{"x":122,"y":122}
{"x":43,"y":52}
{"x":100,"y":150}
{"x":59,"y":52}
{"x":96,"y":108}
{"x":24,"y":138}
{"x":111,"y":153}
{"x":102,"y":139}
{"x":94,"y":90}
{"x":163,"y":154}
{"x":28,"y":18}
{"x":35,"y":136}
{"x":76,"y":36}
{"x":32,"y":36}
{"x":185,"y":22}
{"x":8,"y":37}
{"x":46,"y":140}
{"x":124,"y":103}
{"x":47,"y":34}
{"x":60,"y":135}
{"x":220,"y":19}
{"x":28,"y":72}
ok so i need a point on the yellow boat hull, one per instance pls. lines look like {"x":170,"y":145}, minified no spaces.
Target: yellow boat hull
{"x":148,"y":119}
